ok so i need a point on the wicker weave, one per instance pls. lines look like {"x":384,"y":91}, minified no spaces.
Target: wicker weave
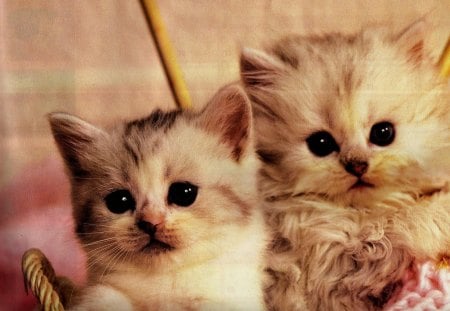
{"x":40,"y":277}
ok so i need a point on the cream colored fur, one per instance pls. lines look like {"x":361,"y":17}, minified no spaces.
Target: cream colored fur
{"x":340,"y":248}
{"x":218,"y":243}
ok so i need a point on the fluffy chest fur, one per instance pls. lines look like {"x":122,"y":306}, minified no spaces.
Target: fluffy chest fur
{"x":231,"y":282}
{"x":355,"y":258}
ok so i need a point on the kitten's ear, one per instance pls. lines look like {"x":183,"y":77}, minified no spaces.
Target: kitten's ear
{"x":75,"y":139}
{"x":259,"y":69}
{"x":259,"y":74}
{"x":229,"y":115}
{"x":411,"y":40}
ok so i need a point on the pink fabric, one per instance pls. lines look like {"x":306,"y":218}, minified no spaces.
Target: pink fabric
{"x":424,"y":288}
{"x":36,"y":213}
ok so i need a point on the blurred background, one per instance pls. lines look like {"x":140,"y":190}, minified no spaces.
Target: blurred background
{"x":95,"y":58}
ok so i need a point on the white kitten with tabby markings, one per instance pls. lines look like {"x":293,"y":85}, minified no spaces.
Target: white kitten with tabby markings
{"x":167,"y":210}
{"x":354,"y":134}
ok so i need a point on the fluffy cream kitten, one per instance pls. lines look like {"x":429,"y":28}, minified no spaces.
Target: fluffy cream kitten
{"x":354,"y":134}
{"x":166,"y":208}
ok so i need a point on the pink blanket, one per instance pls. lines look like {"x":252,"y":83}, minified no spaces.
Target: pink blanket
{"x":425,"y":287}
{"x":35,"y":212}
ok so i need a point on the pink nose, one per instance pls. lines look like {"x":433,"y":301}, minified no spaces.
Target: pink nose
{"x":149,"y":221}
{"x":153,"y":217}
{"x":147,"y":227}
{"x":356,"y":168}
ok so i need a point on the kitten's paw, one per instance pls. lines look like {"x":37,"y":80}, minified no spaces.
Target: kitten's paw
{"x":102,"y":298}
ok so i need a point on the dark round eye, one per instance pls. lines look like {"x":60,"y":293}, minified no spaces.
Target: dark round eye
{"x":322,"y":144}
{"x":182,"y":194}
{"x":120,"y":201}
{"x":382,"y":134}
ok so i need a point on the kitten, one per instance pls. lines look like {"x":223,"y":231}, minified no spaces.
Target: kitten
{"x":354,"y":134}
{"x":166,"y":208}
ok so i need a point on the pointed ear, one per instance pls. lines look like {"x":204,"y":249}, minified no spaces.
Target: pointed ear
{"x":259,"y":74}
{"x":259,"y":68}
{"x":75,"y":139}
{"x":229,"y":115}
{"x":411,"y":41}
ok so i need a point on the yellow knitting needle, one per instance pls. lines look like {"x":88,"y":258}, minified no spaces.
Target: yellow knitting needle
{"x":444,"y":61}
{"x":166,"y":54}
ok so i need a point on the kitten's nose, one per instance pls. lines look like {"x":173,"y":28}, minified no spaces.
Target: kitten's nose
{"x":147,"y":227}
{"x":356,"y":168}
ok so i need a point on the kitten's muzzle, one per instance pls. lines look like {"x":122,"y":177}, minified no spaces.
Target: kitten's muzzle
{"x":361,"y":184}
{"x":356,"y":168}
{"x":147,"y":227}
{"x":154,"y":244}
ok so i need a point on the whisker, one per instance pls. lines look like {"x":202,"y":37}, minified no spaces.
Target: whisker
{"x":98,"y":254}
{"x":99,"y":241}
{"x":111,"y":262}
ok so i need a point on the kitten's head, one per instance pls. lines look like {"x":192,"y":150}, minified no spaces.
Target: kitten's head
{"x":352,"y":118}
{"x":171,"y":188}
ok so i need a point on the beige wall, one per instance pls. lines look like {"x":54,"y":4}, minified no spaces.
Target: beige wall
{"x":95,"y":58}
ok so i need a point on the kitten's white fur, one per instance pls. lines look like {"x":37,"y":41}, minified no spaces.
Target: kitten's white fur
{"x":218,"y":243}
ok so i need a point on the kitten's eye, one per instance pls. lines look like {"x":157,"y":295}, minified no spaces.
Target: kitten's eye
{"x":322,"y":144}
{"x":120,"y":201}
{"x":182,"y":194}
{"x":382,"y":134}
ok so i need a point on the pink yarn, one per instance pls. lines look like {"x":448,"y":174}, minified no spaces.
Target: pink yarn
{"x":424,"y":288}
